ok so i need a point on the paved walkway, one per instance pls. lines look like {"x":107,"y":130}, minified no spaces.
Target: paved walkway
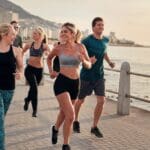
{"x":24,"y":132}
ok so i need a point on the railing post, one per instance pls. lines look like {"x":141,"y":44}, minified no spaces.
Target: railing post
{"x":123,"y":105}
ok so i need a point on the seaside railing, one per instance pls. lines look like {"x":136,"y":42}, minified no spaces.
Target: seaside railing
{"x":123,"y":104}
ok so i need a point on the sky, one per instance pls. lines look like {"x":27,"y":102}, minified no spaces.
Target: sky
{"x":129,"y":19}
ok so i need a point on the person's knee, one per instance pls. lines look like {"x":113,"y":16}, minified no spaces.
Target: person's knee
{"x":100,"y":101}
{"x":70,"y":117}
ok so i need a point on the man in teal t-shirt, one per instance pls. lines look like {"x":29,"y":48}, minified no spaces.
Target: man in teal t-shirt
{"x":93,"y":79}
{"x":97,"y":48}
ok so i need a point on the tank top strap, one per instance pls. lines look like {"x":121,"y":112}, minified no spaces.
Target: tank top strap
{"x":12,"y":52}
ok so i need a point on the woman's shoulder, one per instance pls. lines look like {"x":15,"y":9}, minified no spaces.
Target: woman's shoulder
{"x":57,"y":48}
{"x":17,"y":50}
{"x":80,"y":45}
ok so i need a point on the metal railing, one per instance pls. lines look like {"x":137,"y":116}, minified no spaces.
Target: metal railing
{"x":123,"y":93}
{"x":139,"y":74}
{"x":129,"y":96}
{"x":124,"y":88}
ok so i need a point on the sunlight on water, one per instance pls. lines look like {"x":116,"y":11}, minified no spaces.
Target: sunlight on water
{"x":137,"y":57}
{"x":139,"y":62}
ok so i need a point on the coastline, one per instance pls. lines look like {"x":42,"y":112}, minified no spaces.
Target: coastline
{"x":127,"y":45}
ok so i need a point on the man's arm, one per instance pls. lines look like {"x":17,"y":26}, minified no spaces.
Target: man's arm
{"x":111,"y":64}
{"x":20,"y":44}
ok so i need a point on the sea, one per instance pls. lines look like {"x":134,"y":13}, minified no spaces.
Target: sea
{"x":139,"y":60}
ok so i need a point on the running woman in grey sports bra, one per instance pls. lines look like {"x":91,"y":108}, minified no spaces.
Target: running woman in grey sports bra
{"x":66,"y":85}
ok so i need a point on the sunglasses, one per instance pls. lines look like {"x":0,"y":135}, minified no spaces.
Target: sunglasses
{"x":16,"y":28}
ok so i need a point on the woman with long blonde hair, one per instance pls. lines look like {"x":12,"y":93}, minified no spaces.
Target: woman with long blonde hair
{"x":66,"y":86}
{"x":34,"y":69}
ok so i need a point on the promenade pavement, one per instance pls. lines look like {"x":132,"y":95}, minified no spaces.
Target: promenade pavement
{"x":23,"y":132}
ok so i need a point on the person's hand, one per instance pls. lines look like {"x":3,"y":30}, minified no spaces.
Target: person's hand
{"x":53,"y":74}
{"x":112,"y":64}
{"x":46,"y":53}
{"x":93,"y":59}
{"x":17,"y":75}
{"x":81,"y":56}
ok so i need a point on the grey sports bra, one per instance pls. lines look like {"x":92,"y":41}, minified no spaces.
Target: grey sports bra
{"x":69,"y":61}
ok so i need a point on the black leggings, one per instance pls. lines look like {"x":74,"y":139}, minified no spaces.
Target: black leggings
{"x":33,"y":76}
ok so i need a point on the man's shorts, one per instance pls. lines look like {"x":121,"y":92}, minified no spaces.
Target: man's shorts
{"x":87,"y":87}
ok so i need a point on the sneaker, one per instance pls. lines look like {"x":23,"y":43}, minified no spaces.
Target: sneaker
{"x":26,"y":104}
{"x":76,"y":126}
{"x":34,"y":114}
{"x":96,"y":132}
{"x":66,"y":147}
{"x":54,"y":135}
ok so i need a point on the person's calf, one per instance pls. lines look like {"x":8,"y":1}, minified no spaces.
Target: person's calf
{"x":77,"y":108}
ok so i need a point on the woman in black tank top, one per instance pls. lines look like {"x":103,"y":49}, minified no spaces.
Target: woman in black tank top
{"x":11,"y":67}
{"x":34,"y":69}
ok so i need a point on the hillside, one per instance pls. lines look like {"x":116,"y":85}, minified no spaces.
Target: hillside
{"x":26,"y":16}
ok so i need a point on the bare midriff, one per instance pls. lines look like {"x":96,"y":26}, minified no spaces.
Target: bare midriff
{"x":36,"y":62}
{"x":70,"y":72}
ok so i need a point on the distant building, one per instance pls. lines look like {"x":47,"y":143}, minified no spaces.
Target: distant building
{"x":85,"y":33}
{"x":7,"y":16}
{"x":126,"y":42}
{"x":112,"y":38}
{"x":26,"y":31}
{"x":119,"y":42}
{"x":2,"y":12}
{"x":55,"y":34}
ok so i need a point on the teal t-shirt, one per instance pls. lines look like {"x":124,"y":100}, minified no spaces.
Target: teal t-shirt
{"x":95,"y":47}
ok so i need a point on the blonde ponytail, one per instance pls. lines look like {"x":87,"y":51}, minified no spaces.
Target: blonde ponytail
{"x":78,"y":36}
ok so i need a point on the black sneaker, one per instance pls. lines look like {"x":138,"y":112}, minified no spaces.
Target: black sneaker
{"x":54,"y":135}
{"x":76,"y":126}
{"x":26,"y":104}
{"x":96,"y":132}
{"x":34,"y":114}
{"x":66,"y":147}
